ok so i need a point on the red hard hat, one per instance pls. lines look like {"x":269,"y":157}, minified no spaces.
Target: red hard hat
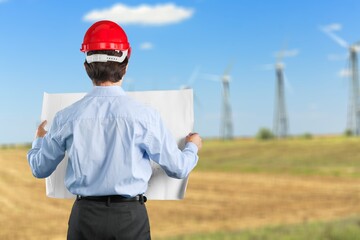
{"x":105,"y":35}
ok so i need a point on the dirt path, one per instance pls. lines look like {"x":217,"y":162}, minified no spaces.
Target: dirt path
{"x":214,"y":201}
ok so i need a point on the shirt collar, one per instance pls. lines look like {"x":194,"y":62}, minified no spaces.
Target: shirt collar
{"x":108,"y":91}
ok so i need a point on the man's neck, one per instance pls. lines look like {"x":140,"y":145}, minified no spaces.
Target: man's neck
{"x":108,"y":84}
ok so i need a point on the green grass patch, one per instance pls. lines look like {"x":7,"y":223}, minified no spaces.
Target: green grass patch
{"x":321,"y":156}
{"x":347,"y":229}
{"x":15,"y":146}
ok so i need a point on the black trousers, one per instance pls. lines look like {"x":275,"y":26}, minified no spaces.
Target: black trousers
{"x":92,"y":220}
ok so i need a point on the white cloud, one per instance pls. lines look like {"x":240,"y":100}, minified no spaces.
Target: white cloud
{"x":344,"y":73}
{"x":146,"y":46}
{"x":144,"y":14}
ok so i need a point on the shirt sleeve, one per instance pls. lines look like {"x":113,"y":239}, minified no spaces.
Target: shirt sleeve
{"x":46,"y":152}
{"x":162,"y":148}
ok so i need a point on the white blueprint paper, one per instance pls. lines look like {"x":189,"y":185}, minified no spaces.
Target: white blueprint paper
{"x":176,"y":109}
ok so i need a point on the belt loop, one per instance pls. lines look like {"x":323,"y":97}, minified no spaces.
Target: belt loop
{"x":108,"y":201}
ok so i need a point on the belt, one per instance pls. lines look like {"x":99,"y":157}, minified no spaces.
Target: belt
{"x":113,"y":198}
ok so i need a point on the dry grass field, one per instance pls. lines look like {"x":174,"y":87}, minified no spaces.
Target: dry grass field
{"x":216,"y":200}
{"x":230,"y":202}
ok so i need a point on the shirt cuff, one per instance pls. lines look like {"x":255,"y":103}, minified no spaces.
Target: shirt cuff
{"x":37,"y":142}
{"x":192,"y":147}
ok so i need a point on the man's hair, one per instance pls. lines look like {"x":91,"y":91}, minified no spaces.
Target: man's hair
{"x":100,"y":72}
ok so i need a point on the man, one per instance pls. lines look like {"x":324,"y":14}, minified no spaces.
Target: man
{"x":109,"y":139}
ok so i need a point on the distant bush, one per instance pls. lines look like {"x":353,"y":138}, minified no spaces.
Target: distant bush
{"x":264,"y":134}
{"x":307,"y":136}
{"x":348,"y":133}
{"x":13,"y":145}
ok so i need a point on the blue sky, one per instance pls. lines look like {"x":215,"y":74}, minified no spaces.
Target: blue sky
{"x":40,"y":42}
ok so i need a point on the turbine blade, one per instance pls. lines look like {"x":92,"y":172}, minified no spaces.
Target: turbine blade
{"x":193,"y":76}
{"x":267,"y":67}
{"x":211,"y":77}
{"x":336,"y":38}
{"x":197,"y":101}
{"x":338,"y":57}
{"x":291,"y":53}
{"x":229,"y":68}
{"x":287,"y":83}
{"x":332,"y":27}
{"x":279,"y":56}
{"x":345,"y":73}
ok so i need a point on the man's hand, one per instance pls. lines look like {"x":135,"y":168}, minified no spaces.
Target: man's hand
{"x":194,"y":138}
{"x":40,"y":132}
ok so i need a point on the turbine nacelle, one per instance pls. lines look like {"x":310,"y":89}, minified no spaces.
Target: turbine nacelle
{"x":354,"y":48}
{"x":280,"y":65}
{"x":226,"y":78}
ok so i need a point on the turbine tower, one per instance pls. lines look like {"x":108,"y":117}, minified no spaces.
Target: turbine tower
{"x":226,"y":122}
{"x":354,"y":104}
{"x":353,"y":121}
{"x":226,"y":119}
{"x":281,"y":123}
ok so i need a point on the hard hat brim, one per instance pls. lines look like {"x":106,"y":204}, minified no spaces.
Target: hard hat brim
{"x":104,"y":46}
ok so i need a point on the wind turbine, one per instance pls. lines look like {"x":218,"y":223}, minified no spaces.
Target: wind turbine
{"x":226,"y":127}
{"x":354,"y":100}
{"x":281,"y":121}
{"x":227,"y":124}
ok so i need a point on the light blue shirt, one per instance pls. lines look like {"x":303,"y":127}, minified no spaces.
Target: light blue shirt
{"x":110,"y":139}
